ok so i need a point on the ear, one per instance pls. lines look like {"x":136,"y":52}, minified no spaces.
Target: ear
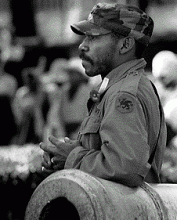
{"x":127,"y":44}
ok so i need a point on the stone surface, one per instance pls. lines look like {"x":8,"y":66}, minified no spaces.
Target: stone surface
{"x":98,"y":199}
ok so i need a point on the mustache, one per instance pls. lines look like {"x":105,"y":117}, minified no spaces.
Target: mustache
{"x":84,"y":57}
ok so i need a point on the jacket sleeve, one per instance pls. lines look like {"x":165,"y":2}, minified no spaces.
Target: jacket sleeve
{"x":124,"y":153}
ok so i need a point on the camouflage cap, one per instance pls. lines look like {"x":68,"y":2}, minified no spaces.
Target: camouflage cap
{"x":120,"y":19}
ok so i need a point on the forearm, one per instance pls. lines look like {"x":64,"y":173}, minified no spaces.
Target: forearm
{"x":95,"y":163}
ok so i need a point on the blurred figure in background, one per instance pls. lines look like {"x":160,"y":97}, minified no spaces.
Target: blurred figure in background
{"x":68,"y":89}
{"x":164,"y":70}
{"x":30,"y":107}
{"x":8,"y":87}
{"x":74,"y":98}
{"x":53,"y":82}
{"x":12,"y":53}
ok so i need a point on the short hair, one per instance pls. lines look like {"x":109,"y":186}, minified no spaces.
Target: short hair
{"x":139,"y":47}
{"x":116,"y":36}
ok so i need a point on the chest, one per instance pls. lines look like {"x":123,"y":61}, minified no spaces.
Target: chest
{"x":89,"y":134}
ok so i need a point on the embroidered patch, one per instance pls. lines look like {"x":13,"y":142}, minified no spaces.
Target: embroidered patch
{"x":125,"y":103}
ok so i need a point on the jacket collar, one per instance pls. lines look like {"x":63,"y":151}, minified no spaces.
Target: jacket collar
{"x":116,"y":75}
{"x":122,"y":71}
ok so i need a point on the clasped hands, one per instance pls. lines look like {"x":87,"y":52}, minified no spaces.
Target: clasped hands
{"x":56,"y":153}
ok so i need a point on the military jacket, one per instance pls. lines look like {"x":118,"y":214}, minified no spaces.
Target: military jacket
{"x":122,"y":129}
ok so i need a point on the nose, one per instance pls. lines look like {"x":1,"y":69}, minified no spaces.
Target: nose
{"x":83,"y":47}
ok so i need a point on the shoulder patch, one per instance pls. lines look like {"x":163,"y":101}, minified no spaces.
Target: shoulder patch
{"x":125,"y":103}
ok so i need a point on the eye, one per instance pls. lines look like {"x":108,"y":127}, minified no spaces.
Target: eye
{"x":91,"y":37}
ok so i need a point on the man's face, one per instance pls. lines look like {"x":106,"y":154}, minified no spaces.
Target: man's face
{"x":98,"y":54}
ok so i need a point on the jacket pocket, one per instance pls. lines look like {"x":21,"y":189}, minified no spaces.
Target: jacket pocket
{"x":92,"y":126}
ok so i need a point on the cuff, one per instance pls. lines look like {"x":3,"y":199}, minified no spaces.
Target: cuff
{"x":74,"y":159}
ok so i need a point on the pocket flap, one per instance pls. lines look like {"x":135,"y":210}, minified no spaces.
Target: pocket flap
{"x":92,"y":126}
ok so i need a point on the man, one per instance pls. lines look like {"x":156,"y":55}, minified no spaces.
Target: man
{"x":123,"y":137}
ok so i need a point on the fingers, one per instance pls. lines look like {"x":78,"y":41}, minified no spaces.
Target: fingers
{"x":47,"y":171}
{"x":46,"y":160}
{"x":55,"y":153}
{"x":69,"y":141}
{"x":58,"y":162}
{"x":49,"y":148}
{"x":54,"y":140}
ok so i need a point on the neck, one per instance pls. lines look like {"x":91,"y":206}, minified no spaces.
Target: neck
{"x":120,"y":62}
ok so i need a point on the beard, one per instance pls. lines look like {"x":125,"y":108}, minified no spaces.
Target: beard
{"x":100,"y":66}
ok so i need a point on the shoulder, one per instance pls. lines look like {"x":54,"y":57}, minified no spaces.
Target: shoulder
{"x":138,"y":85}
{"x":134,"y":89}
{"x":123,"y":94}
{"x":129,"y":84}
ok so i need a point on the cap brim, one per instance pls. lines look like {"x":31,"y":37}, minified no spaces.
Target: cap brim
{"x":80,"y":27}
{"x":86,"y":27}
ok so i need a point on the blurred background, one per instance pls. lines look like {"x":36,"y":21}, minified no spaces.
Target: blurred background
{"x":43,"y":87}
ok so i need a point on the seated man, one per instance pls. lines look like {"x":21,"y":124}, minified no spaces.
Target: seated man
{"x":123,"y":137}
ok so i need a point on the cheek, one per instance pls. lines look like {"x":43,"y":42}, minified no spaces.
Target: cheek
{"x":109,"y":55}
{"x":99,"y":54}
{"x":106,"y":55}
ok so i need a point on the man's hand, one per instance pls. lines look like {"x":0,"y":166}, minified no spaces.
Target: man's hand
{"x":56,"y":153}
